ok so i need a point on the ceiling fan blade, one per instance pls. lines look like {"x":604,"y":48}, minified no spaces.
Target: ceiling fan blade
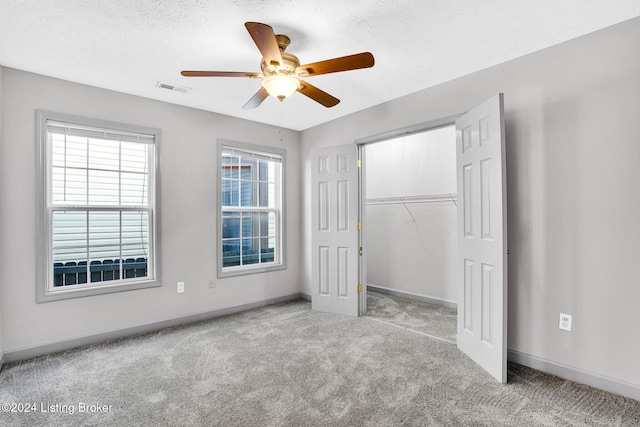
{"x":189,"y":73}
{"x":256,"y":99}
{"x":344,"y":63}
{"x":265,"y":39}
{"x":317,"y":95}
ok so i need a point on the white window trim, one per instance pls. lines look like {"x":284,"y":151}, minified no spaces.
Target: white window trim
{"x":44,"y":293}
{"x":281,"y":217}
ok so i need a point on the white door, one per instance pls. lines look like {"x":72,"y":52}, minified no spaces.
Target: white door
{"x":482,"y":237}
{"x":334,"y":221}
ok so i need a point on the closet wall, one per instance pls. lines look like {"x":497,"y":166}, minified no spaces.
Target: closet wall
{"x":410,"y":220}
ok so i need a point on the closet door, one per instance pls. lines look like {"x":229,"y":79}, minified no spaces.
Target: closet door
{"x":334,"y":221}
{"x":482,"y":237}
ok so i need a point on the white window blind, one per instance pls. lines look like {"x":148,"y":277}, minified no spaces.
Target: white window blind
{"x":100,"y":205}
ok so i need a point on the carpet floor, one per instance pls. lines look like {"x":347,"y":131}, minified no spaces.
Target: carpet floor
{"x":286,"y":365}
{"x":428,"y":319}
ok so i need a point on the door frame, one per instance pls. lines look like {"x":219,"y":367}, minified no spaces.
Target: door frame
{"x":362,"y":199}
{"x":484,"y":357}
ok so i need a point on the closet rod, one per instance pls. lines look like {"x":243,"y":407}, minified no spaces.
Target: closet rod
{"x":446,"y":197}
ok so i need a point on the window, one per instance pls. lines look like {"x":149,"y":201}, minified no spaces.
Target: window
{"x":97,"y":188}
{"x":250,"y":203}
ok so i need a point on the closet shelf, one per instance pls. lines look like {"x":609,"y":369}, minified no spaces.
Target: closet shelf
{"x":403,"y":200}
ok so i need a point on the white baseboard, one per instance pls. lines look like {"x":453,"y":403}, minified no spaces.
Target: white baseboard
{"x":305,"y":297}
{"x":416,"y":297}
{"x":601,"y":382}
{"x":578,"y":375}
{"x":41,"y":350}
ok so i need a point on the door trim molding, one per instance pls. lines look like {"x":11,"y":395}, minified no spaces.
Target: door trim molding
{"x":408,"y":130}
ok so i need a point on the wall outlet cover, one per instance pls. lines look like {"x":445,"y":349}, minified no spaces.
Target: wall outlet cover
{"x":565,"y":322}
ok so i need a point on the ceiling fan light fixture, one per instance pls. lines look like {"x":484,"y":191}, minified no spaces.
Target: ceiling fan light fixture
{"x":281,"y":70}
{"x":280,"y":86}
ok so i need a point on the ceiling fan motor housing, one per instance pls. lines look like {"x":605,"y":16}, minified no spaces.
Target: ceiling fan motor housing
{"x":289,"y":64}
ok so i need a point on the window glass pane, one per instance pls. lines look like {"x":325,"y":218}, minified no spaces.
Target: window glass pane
{"x":104,"y":155}
{"x":134,"y":189}
{"x":230,"y":225}
{"x":230,"y":192}
{"x":58,"y":150}
{"x":69,"y":252}
{"x":246,"y":227}
{"x":63,"y":254}
{"x":248,"y":168}
{"x":104,"y":187}
{"x":134,"y":157}
{"x":230,"y":253}
{"x":271,"y":198}
{"x":69,"y":151}
{"x":104,"y":229}
{"x":250,"y":251}
{"x":230,"y":166}
{"x":69,"y":186}
{"x":264,"y":222}
{"x":135,"y":234}
{"x":104,"y":253}
{"x":263,"y":194}
{"x":104,"y":263}
{"x":247,"y":193}
{"x":70,"y":231}
{"x":266,"y":251}
{"x":264,"y":167}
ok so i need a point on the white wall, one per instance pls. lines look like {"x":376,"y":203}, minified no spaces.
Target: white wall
{"x":572,"y":140}
{"x":412,"y":165}
{"x":187,"y":150}
{"x":411,"y":246}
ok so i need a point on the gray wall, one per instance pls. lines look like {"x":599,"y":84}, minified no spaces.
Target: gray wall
{"x":187,"y":176}
{"x":412,"y":246}
{"x":572,"y":134}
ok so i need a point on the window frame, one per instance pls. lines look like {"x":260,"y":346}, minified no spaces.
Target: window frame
{"x":281,"y":256}
{"x":45,"y":291}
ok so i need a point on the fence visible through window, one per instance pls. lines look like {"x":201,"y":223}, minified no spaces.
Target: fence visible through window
{"x":76,"y":273}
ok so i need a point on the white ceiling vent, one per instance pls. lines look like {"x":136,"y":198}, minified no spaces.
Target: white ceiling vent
{"x":175,"y":88}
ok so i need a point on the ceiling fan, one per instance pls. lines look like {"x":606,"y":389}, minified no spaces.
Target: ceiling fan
{"x":281,"y":71}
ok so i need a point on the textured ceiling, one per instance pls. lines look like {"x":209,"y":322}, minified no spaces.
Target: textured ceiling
{"x":131,"y":45}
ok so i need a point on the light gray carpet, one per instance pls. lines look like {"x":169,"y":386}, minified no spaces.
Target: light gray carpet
{"x":429,"y":319}
{"x":286,"y":365}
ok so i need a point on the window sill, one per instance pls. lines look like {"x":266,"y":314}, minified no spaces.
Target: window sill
{"x":78,"y":292}
{"x":243,"y":270}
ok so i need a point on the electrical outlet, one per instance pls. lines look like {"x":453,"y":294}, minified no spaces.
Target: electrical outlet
{"x":565,"y":322}
{"x":180,"y":287}
{"x":212,"y":283}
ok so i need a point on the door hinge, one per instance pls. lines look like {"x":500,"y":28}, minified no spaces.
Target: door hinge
{"x":360,"y":250}
{"x":359,"y":288}
{"x":359,"y":226}
{"x":358,"y":163}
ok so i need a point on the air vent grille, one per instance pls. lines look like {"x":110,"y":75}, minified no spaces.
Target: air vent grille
{"x":174,"y":88}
